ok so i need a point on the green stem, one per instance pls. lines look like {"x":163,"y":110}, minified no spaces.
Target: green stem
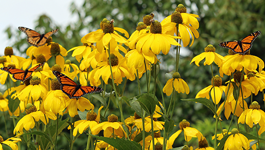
{"x":57,"y":124}
{"x":88,"y":139}
{"x":112,"y":78}
{"x":174,"y":102}
{"x":5,"y":123}
{"x":146,"y":74}
{"x":155,"y":79}
{"x":170,"y":103}
{"x":116,"y":94}
{"x":138,"y":81}
{"x":263,"y":96}
{"x":177,"y":50}
{"x":122,"y":119}
{"x":143,"y":132}
{"x":124,"y":86}
{"x":152,"y":128}
{"x":216,"y":118}
{"x":258,"y":136}
{"x":71,"y":133}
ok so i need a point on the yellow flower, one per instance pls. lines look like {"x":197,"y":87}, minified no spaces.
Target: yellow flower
{"x":189,"y":133}
{"x":253,"y":115}
{"x":179,"y":85}
{"x":49,"y":50}
{"x":56,"y":101}
{"x":235,"y":62}
{"x":203,"y":144}
{"x":32,"y":92}
{"x":94,"y":80}
{"x":236,"y":141}
{"x":158,"y":125}
{"x":140,"y":29}
{"x":187,"y":25}
{"x":210,"y":57}
{"x":92,"y":119}
{"x":119,"y":69}
{"x":80,"y":103}
{"x":11,"y":58}
{"x":11,"y":142}
{"x":221,"y":135}
{"x":158,"y":140}
{"x":30,"y":61}
{"x":247,"y":85}
{"x":215,"y":91}
{"x":70,"y":69}
{"x":104,"y":35}
{"x":4,"y":75}
{"x":138,"y":61}
{"x":155,"y":41}
{"x":3,"y":103}
{"x":33,"y":116}
{"x":81,"y":51}
{"x":230,"y":106}
{"x":110,"y":127}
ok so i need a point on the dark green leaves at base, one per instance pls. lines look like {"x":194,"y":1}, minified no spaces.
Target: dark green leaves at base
{"x":148,"y":102}
{"x":203,"y":101}
{"x":120,"y":144}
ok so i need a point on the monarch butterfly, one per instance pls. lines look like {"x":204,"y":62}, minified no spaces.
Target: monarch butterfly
{"x":73,"y":90}
{"x":243,"y":46}
{"x":21,"y":74}
{"x":34,"y":38}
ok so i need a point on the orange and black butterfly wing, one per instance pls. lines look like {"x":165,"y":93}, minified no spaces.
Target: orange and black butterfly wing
{"x":233,"y":45}
{"x":86,"y":89}
{"x":243,"y":46}
{"x":246,"y":43}
{"x":33,"y":37}
{"x":68,"y":86}
{"x":29,"y":72}
{"x":45,"y":37}
{"x":18,"y":74}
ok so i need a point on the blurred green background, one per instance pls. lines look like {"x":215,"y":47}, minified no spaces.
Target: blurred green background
{"x":219,"y":21}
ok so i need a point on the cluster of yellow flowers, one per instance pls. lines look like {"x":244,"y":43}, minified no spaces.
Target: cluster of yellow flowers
{"x":108,"y":56}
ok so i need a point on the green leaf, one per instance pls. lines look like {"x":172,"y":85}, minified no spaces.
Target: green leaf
{"x":13,"y":104}
{"x":139,"y":137}
{"x":203,"y":101}
{"x":82,"y":115}
{"x":177,"y":148}
{"x":99,"y":98}
{"x":235,"y":90}
{"x":135,"y":105}
{"x":250,"y":136}
{"x":169,"y":125}
{"x":148,"y":102}
{"x":6,"y":147}
{"x":222,"y":142}
{"x":51,"y":131}
{"x":120,"y":144}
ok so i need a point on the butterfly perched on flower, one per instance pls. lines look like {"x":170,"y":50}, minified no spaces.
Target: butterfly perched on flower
{"x":73,"y":90}
{"x":21,"y":75}
{"x":36,"y":39}
{"x":243,"y":46}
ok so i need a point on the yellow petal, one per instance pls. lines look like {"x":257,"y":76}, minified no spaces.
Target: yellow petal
{"x":249,"y":121}
{"x":256,"y":116}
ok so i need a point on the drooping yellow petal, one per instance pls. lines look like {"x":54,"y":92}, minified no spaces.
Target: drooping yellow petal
{"x":168,"y":88}
{"x":256,"y":116}
{"x":249,"y":121}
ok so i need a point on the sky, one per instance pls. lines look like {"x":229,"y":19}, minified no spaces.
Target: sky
{"x":17,"y":13}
